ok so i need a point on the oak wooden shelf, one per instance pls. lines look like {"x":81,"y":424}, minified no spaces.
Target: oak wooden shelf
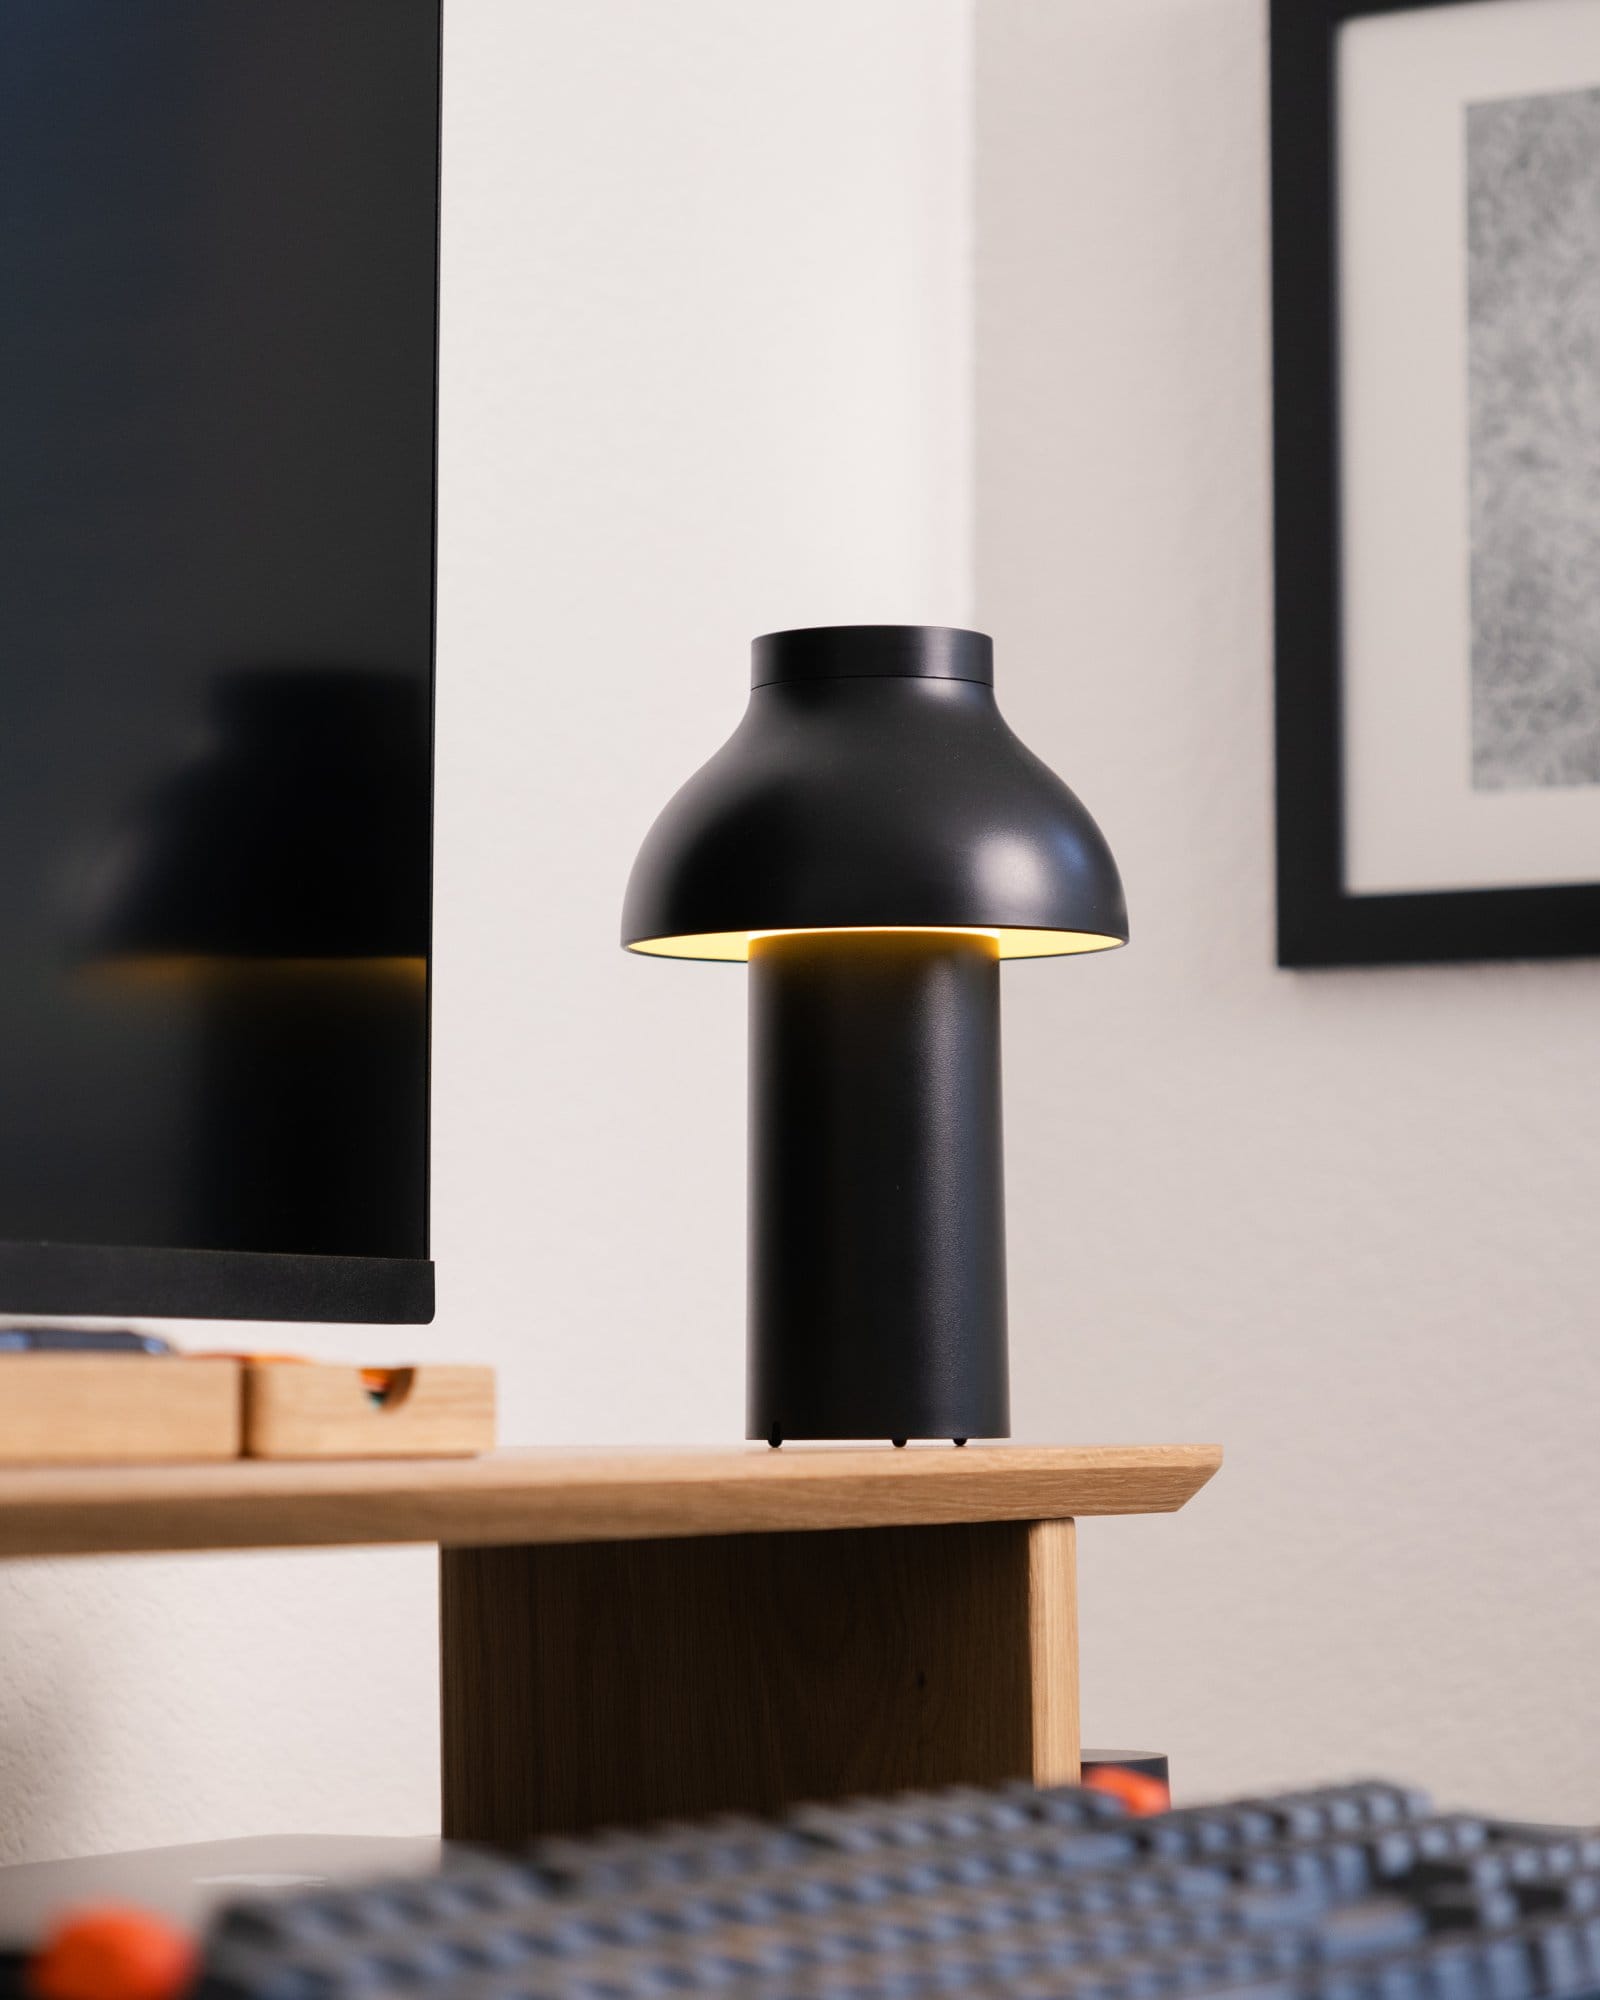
{"x":634,"y":1635}
{"x":542,"y":1497}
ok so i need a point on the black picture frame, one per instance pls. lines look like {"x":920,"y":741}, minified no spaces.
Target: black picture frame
{"x":1320,"y":923}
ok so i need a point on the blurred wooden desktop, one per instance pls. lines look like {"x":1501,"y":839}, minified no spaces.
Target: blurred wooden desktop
{"x":650,"y":1634}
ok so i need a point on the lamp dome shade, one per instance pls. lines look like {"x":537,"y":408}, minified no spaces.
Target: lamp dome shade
{"x":873,"y":785}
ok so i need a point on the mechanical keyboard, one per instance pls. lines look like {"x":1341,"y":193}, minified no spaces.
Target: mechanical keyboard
{"x":1354,"y":1892}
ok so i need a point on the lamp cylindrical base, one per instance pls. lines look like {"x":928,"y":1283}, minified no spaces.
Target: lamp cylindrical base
{"x":877,"y":1216}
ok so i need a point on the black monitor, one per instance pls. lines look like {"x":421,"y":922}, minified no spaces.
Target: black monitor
{"x":218,"y":309}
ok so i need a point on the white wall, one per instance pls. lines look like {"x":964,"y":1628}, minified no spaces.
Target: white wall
{"x":706,"y":371}
{"x":1342,"y":1221}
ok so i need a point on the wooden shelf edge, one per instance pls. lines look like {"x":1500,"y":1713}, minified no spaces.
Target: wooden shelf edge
{"x":546,"y":1496}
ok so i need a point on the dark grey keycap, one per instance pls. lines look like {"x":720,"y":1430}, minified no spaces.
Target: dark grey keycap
{"x":1368,"y":1929}
{"x":1470,"y":1910}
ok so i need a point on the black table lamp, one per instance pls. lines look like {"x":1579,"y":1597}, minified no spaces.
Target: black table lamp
{"x":874,"y":840}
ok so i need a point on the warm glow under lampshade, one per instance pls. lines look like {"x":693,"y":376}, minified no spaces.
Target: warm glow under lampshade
{"x":873,"y":785}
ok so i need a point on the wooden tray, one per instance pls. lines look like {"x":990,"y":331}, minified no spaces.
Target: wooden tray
{"x":116,"y":1409}
{"x":293,"y":1410}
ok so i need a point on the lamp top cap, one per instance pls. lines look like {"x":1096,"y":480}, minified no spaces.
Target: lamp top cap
{"x":872,"y":652}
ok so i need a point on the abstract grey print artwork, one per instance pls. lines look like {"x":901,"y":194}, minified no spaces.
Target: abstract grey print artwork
{"x":1533,"y":336}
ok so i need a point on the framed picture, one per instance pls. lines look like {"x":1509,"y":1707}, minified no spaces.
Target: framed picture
{"x":1436,"y":343}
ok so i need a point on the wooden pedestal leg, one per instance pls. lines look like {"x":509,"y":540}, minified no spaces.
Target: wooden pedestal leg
{"x":612,"y":1683}
{"x":1054,"y":1741}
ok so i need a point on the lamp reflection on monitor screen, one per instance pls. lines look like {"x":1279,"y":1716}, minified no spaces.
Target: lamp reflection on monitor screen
{"x":268,"y":903}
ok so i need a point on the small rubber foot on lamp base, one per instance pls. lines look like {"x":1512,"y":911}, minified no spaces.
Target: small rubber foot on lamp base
{"x":898,"y":1443}
{"x":958,"y":1442}
{"x":775,"y":1437}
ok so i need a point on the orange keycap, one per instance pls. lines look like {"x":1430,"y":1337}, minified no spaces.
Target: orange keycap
{"x":111,"y":1952}
{"x":1140,"y":1794}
